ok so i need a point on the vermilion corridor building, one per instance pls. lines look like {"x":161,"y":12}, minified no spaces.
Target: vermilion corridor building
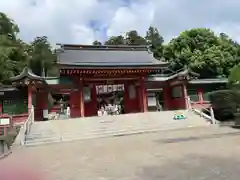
{"x":91,"y":74}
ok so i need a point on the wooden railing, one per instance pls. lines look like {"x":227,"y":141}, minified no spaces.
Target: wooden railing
{"x":25,"y":129}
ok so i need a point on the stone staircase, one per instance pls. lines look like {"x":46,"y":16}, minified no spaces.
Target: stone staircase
{"x":107,"y":126}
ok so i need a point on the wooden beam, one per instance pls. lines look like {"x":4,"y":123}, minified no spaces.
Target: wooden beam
{"x":84,"y":72}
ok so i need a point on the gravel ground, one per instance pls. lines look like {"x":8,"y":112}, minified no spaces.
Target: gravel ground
{"x":193,"y":154}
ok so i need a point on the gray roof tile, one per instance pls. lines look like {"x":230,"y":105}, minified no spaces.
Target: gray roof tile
{"x":106,"y":57}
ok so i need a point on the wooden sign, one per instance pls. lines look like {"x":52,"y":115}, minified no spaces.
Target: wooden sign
{"x":110,"y":82}
{"x":4,"y":121}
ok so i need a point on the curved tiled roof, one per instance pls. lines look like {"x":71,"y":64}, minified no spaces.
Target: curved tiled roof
{"x":107,"y":56}
{"x":26,"y":73}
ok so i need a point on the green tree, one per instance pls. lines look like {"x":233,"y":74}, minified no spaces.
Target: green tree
{"x":130,"y":38}
{"x":8,"y":27}
{"x":203,"y":51}
{"x":115,"y":40}
{"x":155,"y":41}
{"x":13,"y":54}
{"x":16,"y":54}
{"x":133,"y":38}
{"x":42,"y":57}
{"x":97,"y":43}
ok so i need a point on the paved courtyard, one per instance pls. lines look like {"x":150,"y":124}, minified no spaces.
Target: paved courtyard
{"x":190,"y":154}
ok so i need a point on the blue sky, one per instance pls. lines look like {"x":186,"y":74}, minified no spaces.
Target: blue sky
{"x":82,"y":22}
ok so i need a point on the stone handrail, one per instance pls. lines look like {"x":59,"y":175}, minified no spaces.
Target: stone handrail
{"x":25,"y":129}
{"x":211,"y":118}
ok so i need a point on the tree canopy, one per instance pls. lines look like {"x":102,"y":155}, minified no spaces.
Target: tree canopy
{"x":209,"y":54}
{"x":234,"y":77}
{"x":200,"y":49}
{"x":15,"y":54}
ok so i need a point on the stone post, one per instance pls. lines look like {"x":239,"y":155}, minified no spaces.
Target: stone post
{"x":212,"y":115}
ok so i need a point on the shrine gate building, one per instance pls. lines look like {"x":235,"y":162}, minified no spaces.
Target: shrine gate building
{"x":132,"y":66}
{"x":85,"y":70}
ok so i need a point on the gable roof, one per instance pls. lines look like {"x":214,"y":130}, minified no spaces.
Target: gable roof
{"x":107,"y":56}
{"x":180,"y":73}
{"x":26,"y":73}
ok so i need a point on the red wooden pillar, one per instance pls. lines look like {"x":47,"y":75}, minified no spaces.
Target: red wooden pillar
{"x":45,"y":104}
{"x":143,"y":95}
{"x":74,"y":104}
{"x":140,"y":98}
{"x":81,"y":89}
{"x":1,"y":106}
{"x":90,"y":106}
{"x":94,"y":99}
{"x":126,"y":98}
{"x":41,"y":105}
{"x":29,"y":98}
{"x":38,"y":108}
{"x":185,"y":96}
{"x":166,"y":98}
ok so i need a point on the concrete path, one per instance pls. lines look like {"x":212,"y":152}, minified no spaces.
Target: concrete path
{"x":209,"y":153}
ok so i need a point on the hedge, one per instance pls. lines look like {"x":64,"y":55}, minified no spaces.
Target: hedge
{"x":225,"y":104}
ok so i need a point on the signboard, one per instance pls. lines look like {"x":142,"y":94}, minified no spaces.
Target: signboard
{"x":110,"y":82}
{"x":4,"y":121}
{"x":109,"y":88}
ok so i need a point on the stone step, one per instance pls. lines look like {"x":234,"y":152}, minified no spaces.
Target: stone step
{"x":96,"y":127}
{"x":70,"y":137}
{"x":102,"y":127}
{"x":91,"y":131}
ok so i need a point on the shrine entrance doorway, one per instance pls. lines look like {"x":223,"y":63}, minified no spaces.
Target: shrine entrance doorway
{"x":110,"y":99}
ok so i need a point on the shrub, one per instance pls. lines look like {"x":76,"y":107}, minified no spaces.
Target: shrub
{"x":234,"y":77}
{"x":237,"y":119}
{"x":225,"y":103}
{"x":10,"y":136}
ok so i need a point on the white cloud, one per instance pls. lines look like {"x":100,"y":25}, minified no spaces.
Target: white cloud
{"x":230,"y":29}
{"x":65,"y":21}
{"x":82,"y":34}
{"x":136,"y":16}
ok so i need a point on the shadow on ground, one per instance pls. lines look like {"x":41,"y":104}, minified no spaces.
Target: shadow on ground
{"x":193,"y":167}
{"x":197,"y":138}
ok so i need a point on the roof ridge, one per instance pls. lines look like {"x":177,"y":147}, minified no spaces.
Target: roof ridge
{"x":104,"y":47}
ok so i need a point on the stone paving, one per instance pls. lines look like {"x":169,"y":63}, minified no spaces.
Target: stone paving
{"x":209,"y":153}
